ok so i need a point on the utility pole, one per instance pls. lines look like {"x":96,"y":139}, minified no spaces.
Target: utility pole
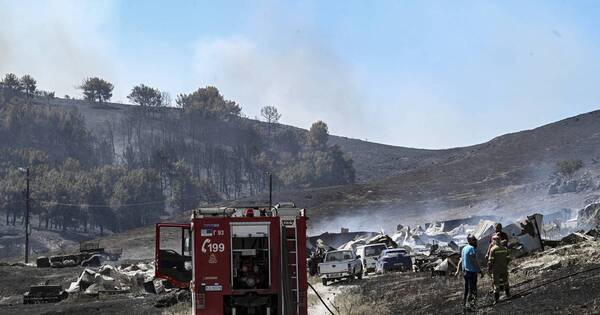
{"x":270,"y":190}
{"x":27,"y":208}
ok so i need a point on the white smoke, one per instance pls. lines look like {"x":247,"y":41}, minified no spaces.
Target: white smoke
{"x":305,"y":81}
{"x":59,"y":43}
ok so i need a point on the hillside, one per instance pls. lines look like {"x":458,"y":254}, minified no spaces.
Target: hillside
{"x":509,"y":176}
{"x":372,"y":161}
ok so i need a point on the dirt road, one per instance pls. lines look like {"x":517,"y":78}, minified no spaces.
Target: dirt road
{"x":328,"y":294}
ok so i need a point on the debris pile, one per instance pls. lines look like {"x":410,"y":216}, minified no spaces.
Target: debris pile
{"x":337,"y":240}
{"x":582,"y":250}
{"x":588,"y":218}
{"x":113,"y":280}
{"x":435,"y":247}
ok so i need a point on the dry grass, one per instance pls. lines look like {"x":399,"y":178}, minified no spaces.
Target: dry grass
{"x":400,"y":293}
{"x":352,"y":303}
{"x":178,"y":309}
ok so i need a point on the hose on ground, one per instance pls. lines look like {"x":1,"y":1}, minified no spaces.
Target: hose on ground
{"x":321,"y":299}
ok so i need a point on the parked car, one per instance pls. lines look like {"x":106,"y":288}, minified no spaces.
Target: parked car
{"x":340,"y":265}
{"x":369,"y":255}
{"x":393,"y":259}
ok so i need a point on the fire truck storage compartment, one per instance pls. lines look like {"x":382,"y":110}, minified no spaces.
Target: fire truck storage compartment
{"x":250,"y":256}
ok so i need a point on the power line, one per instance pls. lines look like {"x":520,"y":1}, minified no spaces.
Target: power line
{"x":108,"y":206}
{"x":100,"y":206}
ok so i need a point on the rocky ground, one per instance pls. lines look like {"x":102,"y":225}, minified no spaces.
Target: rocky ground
{"x":562,"y":280}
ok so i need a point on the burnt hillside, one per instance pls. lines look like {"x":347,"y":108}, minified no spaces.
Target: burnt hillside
{"x":372,"y":161}
{"x":511,"y":174}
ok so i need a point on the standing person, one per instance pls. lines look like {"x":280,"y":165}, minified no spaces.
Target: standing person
{"x":317,"y":257}
{"x":503,"y":238}
{"x":498,"y":267}
{"x":469,"y":264}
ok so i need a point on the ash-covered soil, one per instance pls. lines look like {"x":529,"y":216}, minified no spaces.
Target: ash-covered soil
{"x":14,"y":281}
{"x":84,"y":306}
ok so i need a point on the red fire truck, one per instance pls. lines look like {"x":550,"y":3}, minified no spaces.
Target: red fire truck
{"x":238,"y":260}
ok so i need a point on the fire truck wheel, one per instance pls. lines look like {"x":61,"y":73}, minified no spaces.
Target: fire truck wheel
{"x":324,"y":282}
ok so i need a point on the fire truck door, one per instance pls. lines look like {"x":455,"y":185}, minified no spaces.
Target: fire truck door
{"x":174,"y":260}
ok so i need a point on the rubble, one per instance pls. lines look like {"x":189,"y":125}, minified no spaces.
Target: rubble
{"x":42,"y":262}
{"x":382,"y":238}
{"x":436,"y":247}
{"x":583,"y":251}
{"x":44,"y":293}
{"x":337,"y":240}
{"x":174,"y":297}
{"x":448,"y":266}
{"x":94,"y":261}
{"x":574,"y":238}
{"x":353,"y":244}
{"x":589,"y":217}
{"x":122,"y":279}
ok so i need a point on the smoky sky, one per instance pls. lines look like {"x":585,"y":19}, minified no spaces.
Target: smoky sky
{"x":415,"y":74}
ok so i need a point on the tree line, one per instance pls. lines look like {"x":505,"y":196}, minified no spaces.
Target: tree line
{"x":156,"y":159}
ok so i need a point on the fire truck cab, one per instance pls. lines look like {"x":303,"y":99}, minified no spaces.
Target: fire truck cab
{"x":239,"y":260}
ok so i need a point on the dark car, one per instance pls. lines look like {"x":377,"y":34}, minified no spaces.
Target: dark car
{"x":393,"y":259}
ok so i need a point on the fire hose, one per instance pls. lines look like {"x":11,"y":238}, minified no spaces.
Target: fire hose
{"x":321,"y":299}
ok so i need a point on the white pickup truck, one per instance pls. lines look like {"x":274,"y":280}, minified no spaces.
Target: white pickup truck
{"x":340,"y":264}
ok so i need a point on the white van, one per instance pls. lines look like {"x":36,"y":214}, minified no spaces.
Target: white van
{"x":368,"y":255}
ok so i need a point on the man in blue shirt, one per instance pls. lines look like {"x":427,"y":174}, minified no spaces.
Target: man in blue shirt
{"x":469,"y":264}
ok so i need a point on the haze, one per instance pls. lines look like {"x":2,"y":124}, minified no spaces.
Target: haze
{"x":431,"y":75}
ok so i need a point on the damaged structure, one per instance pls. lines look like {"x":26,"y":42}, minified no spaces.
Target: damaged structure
{"x":435,"y":247}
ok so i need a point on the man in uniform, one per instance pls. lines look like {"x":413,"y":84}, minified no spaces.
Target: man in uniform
{"x":498,"y":267}
{"x":503,"y":238}
{"x":317,"y":257}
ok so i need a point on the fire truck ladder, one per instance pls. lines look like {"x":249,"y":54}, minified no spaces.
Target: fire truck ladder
{"x":289,"y":270}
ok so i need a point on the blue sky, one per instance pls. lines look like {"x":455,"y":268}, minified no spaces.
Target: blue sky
{"x":429,"y":74}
